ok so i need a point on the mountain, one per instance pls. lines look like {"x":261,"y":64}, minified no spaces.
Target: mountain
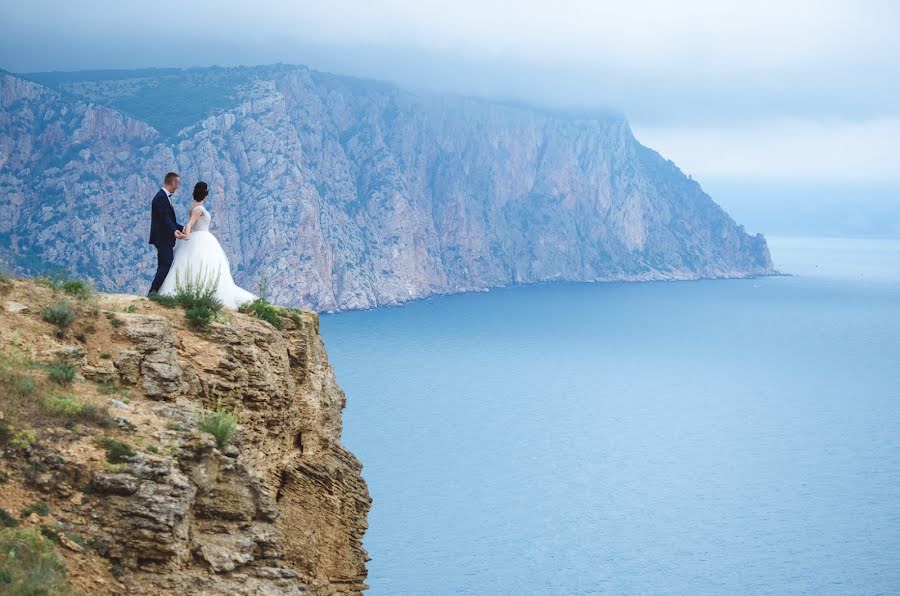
{"x":344,"y":193}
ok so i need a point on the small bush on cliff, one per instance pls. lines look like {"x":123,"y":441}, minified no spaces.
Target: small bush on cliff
{"x":96,"y":415}
{"x":65,"y":405}
{"x":197,"y":290}
{"x":25,"y":386}
{"x":59,"y":280}
{"x":77,"y":539}
{"x":38,"y":507}
{"x":67,"y":409}
{"x":46,"y":282}
{"x":220,"y":424}
{"x":294,"y":314}
{"x":115,"y":321}
{"x":22,"y":439}
{"x":104,"y":388}
{"x":261,"y":309}
{"x":29,"y":564}
{"x":17,"y":389}
{"x":61,"y":373}
{"x":60,"y":314}
{"x":165,"y":301}
{"x":199,"y":317}
{"x":77,"y":289}
{"x":7,"y":520}
{"x":117,"y":452}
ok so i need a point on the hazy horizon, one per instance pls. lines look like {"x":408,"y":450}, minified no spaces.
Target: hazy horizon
{"x":788,"y":116}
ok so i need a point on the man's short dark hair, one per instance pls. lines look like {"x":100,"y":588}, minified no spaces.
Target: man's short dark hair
{"x":170,"y":178}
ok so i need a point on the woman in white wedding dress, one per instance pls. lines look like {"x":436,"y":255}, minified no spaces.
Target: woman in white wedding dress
{"x":199,"y":259}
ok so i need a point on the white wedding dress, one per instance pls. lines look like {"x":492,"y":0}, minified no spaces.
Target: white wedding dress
{"x":201,"y":260}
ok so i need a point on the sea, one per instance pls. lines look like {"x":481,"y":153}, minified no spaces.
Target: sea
{"x":691,"y":437}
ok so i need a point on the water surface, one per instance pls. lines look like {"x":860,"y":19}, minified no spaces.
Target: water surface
{"x":736,"y":436}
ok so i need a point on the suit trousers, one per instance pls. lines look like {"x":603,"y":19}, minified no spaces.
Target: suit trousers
{"x":165,"y":255}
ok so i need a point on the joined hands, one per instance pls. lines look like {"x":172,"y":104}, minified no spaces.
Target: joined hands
{"x":181,"y":235}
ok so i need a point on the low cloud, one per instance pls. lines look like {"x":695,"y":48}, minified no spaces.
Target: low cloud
{"x":789,"y":149}
{"x":803,"y":89}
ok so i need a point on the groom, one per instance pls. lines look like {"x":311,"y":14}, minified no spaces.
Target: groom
{"x":164,"y":229}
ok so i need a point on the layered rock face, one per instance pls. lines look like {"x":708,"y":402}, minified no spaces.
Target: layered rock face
{"x":345,"y":193}
{"x":280,"y":509}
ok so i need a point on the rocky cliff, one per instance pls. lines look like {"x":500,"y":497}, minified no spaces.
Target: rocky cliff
{"x":114,"y":463}
{"x":346,"y":193}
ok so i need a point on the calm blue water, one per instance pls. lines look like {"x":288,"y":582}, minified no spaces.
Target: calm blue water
{"x":713,"y":437}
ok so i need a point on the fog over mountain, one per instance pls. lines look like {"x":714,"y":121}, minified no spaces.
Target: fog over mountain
{"x":757,"y":98}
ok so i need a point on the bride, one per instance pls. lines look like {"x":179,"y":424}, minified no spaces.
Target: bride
{"x":199,"y":259}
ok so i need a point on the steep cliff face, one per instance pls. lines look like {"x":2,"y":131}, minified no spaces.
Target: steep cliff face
{"x":347,"y":193}
{"x":279,"y":509}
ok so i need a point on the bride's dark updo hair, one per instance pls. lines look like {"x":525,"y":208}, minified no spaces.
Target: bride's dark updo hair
{"x":200,"y":191}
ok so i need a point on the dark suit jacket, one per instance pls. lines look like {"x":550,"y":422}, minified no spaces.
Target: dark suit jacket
{"x":162,"y":221}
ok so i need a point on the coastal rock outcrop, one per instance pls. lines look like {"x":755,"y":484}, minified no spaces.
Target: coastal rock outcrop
{"x":136,"y":489}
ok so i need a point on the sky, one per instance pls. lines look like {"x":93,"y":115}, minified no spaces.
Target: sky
{"x":784,"y":111}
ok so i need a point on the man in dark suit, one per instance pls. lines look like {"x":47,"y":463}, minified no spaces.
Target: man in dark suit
{"x":164,"y":229}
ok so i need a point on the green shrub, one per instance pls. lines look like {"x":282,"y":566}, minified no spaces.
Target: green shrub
{"x":261,"y":309}
{"x":22,"y":439}
{"x":197,"y":290}
{"x":96,"y":415}
{"x":106,"y":356}
{"x":98,"y":544}
{"x":166,"y":301}
{"x":61,"y":373}
{"x":64,"y":405}
{"x":25,"y":386}
{"x":220,"y":424}
{"x":131,"y":309}
{"x":69,"y":407}
{"x":48,"y":532}
{"x":38,"y":507}
{"x":116,"y":451}
{"x":199,"y":317}
{"x":77,"y":539}
{"x":115,"y":321}
{"x":7,"y":520}
{"x":107,"y":388}
{"x":77,"y":289}
{"x":60,"y":314}
{"x":294,"y":315}
{"x":46,"y":282}
{"x":15,"y":381}
{"x":30,"y":565}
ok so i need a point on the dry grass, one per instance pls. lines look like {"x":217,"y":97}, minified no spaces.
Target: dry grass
{"x":29,"y":564}
{"x":33,"y":401}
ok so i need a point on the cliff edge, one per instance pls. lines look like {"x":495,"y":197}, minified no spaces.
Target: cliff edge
{"x":106,"y":460}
